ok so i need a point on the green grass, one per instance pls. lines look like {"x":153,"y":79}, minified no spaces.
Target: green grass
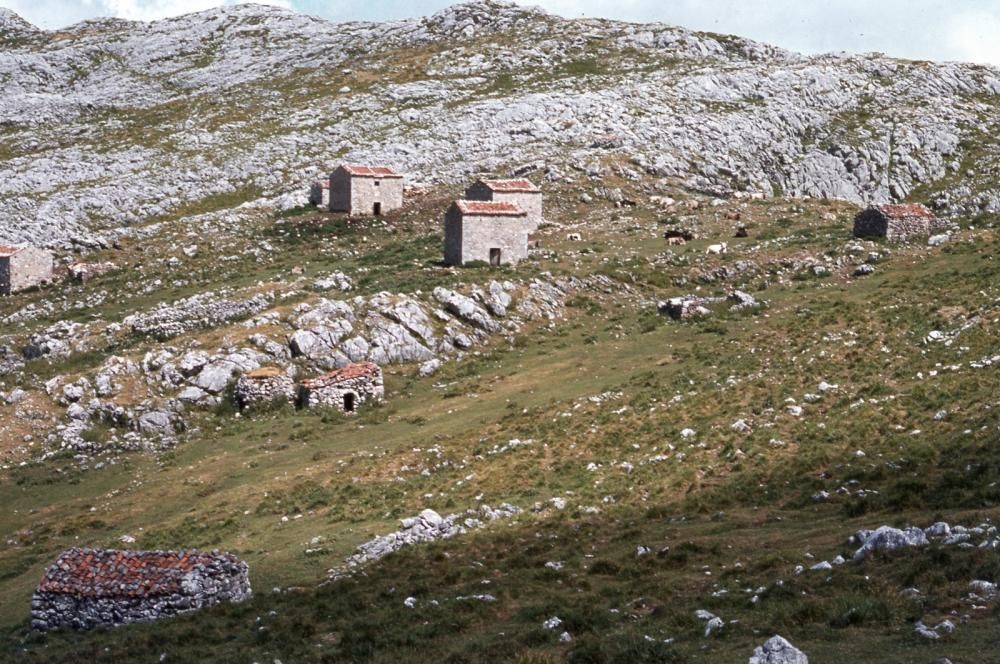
{"x":703,"y":505}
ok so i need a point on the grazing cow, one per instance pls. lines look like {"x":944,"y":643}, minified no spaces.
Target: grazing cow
{"x":676,"y":241}
{"x":574,"y":237}
{"x":717,"y":248}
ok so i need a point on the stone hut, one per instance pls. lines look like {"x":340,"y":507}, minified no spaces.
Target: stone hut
{"x":496,"y":233}
{"x":264,"y":386}
{"x":344,"y":389}
{"x":897,"y":222}
{"x":371,"y":190}
{"x":319,"y":194}
{"x":522,"y":193}
{"x":22,"y":267}
{"x":86,"y":588}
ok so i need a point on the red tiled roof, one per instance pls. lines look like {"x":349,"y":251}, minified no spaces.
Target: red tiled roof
{"x":904,"y":210}
{"x":370,"y":171}
{"x":350,"y":372}
{"x":8,"y":250}
{"x":512,"y":186}
{"x":489,"y":209}
{"x":111,"y":573}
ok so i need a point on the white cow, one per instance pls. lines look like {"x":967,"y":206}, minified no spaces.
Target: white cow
{"x":720,"y":248}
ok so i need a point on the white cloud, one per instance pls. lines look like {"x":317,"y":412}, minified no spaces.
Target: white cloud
{"x":974,"y":37}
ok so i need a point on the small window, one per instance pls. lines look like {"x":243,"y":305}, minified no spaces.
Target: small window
{"x":378,"y":183}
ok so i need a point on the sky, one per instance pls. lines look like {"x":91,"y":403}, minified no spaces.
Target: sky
{"x":964,"y":30}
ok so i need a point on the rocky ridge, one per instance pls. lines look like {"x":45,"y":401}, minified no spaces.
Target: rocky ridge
{"x":476,"y":87}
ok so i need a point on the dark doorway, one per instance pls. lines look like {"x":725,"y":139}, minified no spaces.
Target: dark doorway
{"x":377,"y":209}
{"x":495,"y":257}
{"x":349,"y":402}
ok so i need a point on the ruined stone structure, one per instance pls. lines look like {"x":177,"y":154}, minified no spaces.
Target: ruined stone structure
{"x":86,"y":588}
{"x":319,"y":193}
{"x":522,"y":193}
{"x":365,"y":190}
{"x":897,"y":222}
{"x":263,"y":387}
{"x":23,"y":267}
{"x":344,"y":389}
{"x":84,"y":272}
{"x":495,"y":233}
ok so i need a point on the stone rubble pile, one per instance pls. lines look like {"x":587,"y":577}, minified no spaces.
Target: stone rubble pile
{"x":426,"y":527}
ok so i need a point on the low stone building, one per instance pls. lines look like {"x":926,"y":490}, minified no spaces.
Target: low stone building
{"x":495,"y":233}
{"x":522,"y":193}
{"x":897,"y":222}
{"x":344,"y":389}
{"x":86,"y":588}
{"x":84,"y":272}
{"x":319,"y":194}
{"x":264,"y":387}
{"x":371,"y":190}
{"x":22,"y":267}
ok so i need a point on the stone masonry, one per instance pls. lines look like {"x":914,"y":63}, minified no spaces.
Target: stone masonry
{"x":22,"y":267}
{"x":319,"y":194}
{"x":495,"y":233}
{"x":897,"y":222}
{"x":522,"y":193}
{"x":372,"y":190}
{"x":344,"y":389}
{"x":264,"y":386}
{"x":86,"y":588}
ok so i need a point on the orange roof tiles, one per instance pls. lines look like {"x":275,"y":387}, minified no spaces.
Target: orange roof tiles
{"x":904,"y":210}
{"x":350,"y":372}
{"x":83,"y":572}
{"x":489,"y":209}
{"x":8,"y":250}
{"x":512,"y":186}
{"x":371,"y":171}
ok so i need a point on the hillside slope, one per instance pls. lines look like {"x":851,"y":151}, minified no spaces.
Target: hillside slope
{"x":110,"y":122}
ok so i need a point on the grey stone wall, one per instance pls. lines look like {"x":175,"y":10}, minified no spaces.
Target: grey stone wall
{"x":251,"y":392}
{"x":363,"y":389}
{"x":469,"y":238}
{"x":358,"y":195}
{"x":5,"y":275}
{"x":453,"y":236}
{"x":529,"y":202}
{"x":340,"y":191}
{"x":29,"y":267}
{"x":874,"y":223}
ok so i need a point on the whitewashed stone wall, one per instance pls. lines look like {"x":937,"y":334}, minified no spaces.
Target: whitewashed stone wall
{"x":319,"y":194}
{"x":469,"y":238}
{"x":29,"y":267}
{"x":357,"y":195}
{"x":530,"y":202}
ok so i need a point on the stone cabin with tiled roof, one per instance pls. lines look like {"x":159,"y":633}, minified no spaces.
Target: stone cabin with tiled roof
{"x":344,"y":389}
{"x":897,"y":222}
{"x":87,"y":588}
{"x":22,"y":267}
{"x":364,"y":190}
{"x":522,"y":193}
{"x":492,"y":232}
